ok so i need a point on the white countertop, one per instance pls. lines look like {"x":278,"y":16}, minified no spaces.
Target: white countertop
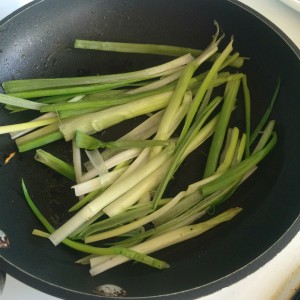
{"x":287,"y":19}
{"x":282,"y":272}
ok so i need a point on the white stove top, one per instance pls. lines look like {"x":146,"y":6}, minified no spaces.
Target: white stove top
{"x":276,"y":280}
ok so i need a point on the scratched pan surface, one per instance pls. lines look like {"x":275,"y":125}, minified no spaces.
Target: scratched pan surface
{"x":37,"y":42}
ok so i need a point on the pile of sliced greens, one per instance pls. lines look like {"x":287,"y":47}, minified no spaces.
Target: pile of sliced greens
{"x":186,"y":102}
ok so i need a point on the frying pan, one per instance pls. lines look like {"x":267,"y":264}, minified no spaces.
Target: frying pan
{"x":37,"y":41}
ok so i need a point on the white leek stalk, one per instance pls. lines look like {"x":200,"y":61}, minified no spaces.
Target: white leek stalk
{"x":112,"y":162}
{"x":100,"y":182}
{"x":165,"y":240}
{"x":134,"y":194}
{"x":108,"y":196}
{"x":94,"y":122}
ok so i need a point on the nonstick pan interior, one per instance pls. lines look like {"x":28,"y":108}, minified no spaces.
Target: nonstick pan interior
{"x":37,"y":41}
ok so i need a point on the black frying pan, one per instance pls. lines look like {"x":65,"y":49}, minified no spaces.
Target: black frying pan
{"x":37,"y":41}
